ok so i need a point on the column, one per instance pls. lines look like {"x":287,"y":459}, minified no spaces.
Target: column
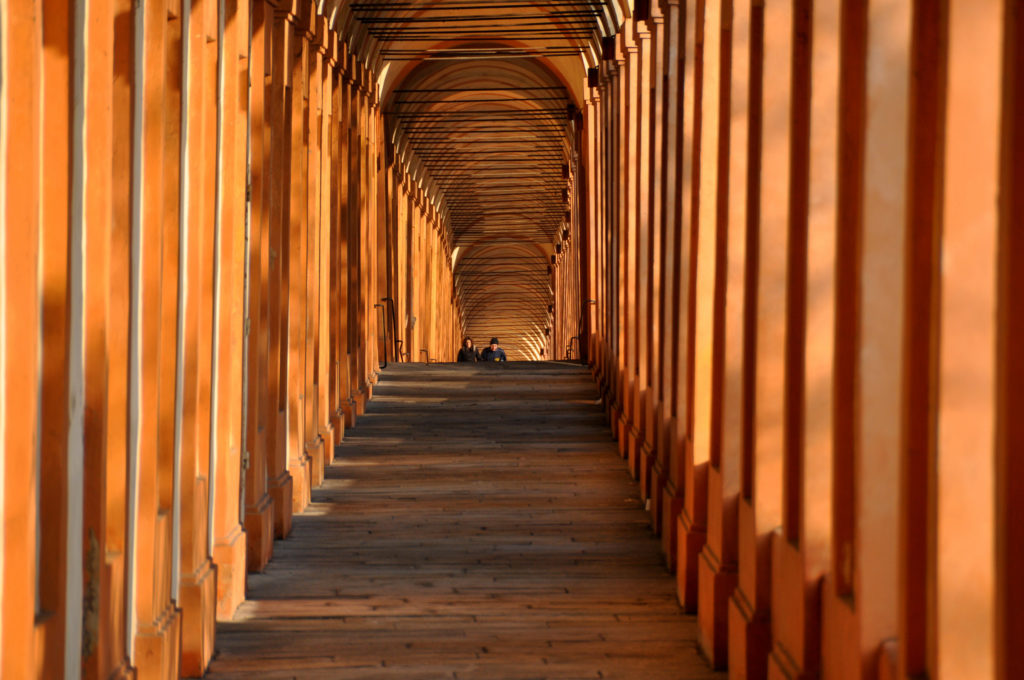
{"x":761,"y":480}
{"x":655,"y":346}
{"x":671,"y":163}
{"x":229,"y":304}
{"x":869,"y":336}
{"x":641,"y":269}
{"x":717,"y":569}
{"x":687,"y":169}
{"x":279,"y":477}
{"x":800,"y":553}
{"x":20,"y":168}
{"x":298,"y":457}
{"x":313,"y":93}
{"x":259,"y":507}
{"x":1009,"y":631}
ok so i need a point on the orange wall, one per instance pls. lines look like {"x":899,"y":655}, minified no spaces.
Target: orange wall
{"x":830,"y":327}
{"x":189,"y":351}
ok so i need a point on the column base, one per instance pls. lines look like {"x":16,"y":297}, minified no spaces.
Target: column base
{"x":281,"y":492}
{"x":657,"y":497}
{"x":749,"y":639}
{"x":327,"y":433}
{"x":299,"y":469}
{"x":648,"y":447}
{"x":338,"y":426}
{"x":613,"y":414}
{"x":361,"y":397}
{"x":781,"y":667}
{"x":889,"y":660}
{"x":796,"y":601}
{"x":259,"y":533}
{"x":158,"y":647}
{"x":841,"y":654}
{"x":315,"y":456}
{"x":622,"y":435}
{"x":229,"y":556}
{"x":715,"y":583}
{"x":646,"y":469}
{"x":671,"y":506}
{"x":124,"y":672}
{"x":348,"y":408}
{"x":197,"y":597}
{"x":633,"y":446}
{"x":690,"y":542}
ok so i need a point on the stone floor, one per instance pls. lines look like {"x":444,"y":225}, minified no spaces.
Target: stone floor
{"x":477,"y":523}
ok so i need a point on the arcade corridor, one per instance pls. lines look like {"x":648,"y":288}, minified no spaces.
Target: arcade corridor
{"x":768,"y":252}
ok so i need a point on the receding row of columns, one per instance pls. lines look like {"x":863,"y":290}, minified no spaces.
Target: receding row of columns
{"x":199,"y":234}
{"x":804,"y":220}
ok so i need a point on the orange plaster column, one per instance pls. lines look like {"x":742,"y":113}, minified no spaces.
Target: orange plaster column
{"x":279,"y":477}
{"x":801,"y":552}
{"x":20,"y":195}
{"x":870,"y":342}
{"x":717,"y":569}
{"x":347,"y":236}
{"x":610,"y":85}
{"x":54,"y":212}
{"x":688,"y":169}
{"x":104,"y":622}
{"x":705,"y":303}
{"x":313,"y":92}
{"x":336,"y":225}
{"x":640,"y":282}
{"x":229,"y":535}
{"x":115,"y":619}
{"x":590,"y":163}
{"x":669,"y":225}
{"x":761,"y":476}
{"x":298,"y":458}
{"x":1009,"y":494}
{"x":259,"y":507}
{"x":157,"y":622}
{"x":197,"y":586}
{"x":655,"y":346}
{"x":630,"y":126}
{"x":872,"y":339}
{"x":357,"y":251}
{"x":326,"y":252}
{"x":965,"y":549}
{"x":172,"y":247}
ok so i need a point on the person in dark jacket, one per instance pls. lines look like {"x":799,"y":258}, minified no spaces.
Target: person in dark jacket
{"x":468,"y":352}
{"x":493,"y":353}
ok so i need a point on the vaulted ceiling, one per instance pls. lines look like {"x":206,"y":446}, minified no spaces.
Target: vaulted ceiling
{"x":484,"y":95}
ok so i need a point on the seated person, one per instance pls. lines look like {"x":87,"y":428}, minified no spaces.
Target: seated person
{"x":493,"y":353}
{"x":468,"y":352}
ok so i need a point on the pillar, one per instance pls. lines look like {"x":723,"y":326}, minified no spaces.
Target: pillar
{"x":259,"y":506}
{"x":671,"y":219}
{"x":801,"y":551}
{"x":280,"y":482}
{"x":688,"y":176}
{"x":761,"y":481}
{"x":296,"y":248}
{"x":717,"y":568}
{"x":229,"y":302}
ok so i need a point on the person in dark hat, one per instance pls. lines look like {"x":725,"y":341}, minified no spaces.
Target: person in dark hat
{"x":468,"y":351}
{"x":493,"y":352}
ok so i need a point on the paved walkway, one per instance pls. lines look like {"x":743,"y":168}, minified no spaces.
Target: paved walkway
{"x":477,"y":523}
